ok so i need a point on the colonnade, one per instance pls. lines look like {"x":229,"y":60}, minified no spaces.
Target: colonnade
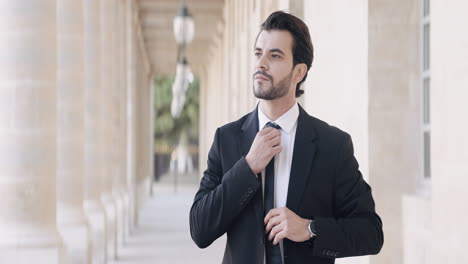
{"x":75,"y":129}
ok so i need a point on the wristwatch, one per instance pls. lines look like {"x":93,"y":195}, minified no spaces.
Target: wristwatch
{"x":311,"y":228}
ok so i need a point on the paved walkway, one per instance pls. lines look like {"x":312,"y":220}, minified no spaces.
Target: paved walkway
{"x":163,"y":234}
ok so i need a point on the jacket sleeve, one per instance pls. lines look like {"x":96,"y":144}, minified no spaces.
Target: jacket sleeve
{"x":221,"y":197}
{"x":356,"y":229}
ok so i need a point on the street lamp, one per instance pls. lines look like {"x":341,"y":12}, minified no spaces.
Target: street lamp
{"x":182,"y":80}
{"x":183,"y":33}
{"x":183,"y":26}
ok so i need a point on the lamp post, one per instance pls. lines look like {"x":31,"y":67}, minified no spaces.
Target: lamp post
{"x":183,"y":26}
{"x":183,"y":33}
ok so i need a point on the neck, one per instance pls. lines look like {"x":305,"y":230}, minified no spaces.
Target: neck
{"x":273,"y":109}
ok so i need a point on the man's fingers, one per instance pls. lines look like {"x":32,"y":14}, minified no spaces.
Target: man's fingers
{"x":272,"y":222}
{"x":272,"y":213}
{"x":277,"y":149}
{"x":265,"y":131}
{"x":275,"y":230}
{"x":270,"y":134}
{"x":280,"y":236}
{"x":276,"y":141}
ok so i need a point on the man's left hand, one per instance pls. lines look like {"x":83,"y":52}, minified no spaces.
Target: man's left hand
{"x":283,"y":223}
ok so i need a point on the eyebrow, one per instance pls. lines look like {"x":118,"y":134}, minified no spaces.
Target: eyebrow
{"x":272,"y":50}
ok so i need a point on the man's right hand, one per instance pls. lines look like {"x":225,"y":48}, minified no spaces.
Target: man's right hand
{"x":266,"y":145}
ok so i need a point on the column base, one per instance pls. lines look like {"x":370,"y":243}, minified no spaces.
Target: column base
{"x":96,"y":215}
{"x":72,"y":225}
{"x":111,"y":215}
{"x":33,"y":255}
{"x":143,"y":191}
{"x":29,"y":244}
{"x":76,"y":240}
{"x":127,"y":214}
{"x":119,"y":206}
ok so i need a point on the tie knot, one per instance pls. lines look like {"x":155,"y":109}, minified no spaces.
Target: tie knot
{"x":273,"y":125}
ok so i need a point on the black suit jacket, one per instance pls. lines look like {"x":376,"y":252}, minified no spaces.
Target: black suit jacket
{"x":325,"y":185}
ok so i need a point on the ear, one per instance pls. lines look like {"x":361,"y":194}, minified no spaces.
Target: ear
{"x":299,"y":72}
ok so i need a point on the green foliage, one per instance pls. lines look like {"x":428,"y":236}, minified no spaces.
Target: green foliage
{"x":167,"y":128}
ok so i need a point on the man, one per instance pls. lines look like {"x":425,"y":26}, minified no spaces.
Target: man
{"x":283,"y":185}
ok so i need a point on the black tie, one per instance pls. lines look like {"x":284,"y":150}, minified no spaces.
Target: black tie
{"x":272,"y":252}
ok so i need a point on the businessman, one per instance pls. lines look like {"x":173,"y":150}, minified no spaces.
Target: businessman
{"x":284,"y":186}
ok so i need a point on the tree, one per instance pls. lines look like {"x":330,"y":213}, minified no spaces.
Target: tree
{"x":167,"y":129}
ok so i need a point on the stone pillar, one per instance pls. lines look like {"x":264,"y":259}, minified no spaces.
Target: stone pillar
{"x":124,"y":120}
{"x":144,"y":132}
{"x":93,"y":130}
{"x":107,"y":122}
{"x":449,"y":130}
{"x":140,"y":170}
{"x":28,"y":133}
{"x":114,"y":116}
{"x":131,"y":113}
{"x":394,"y":124}
{"x":71,"y":220}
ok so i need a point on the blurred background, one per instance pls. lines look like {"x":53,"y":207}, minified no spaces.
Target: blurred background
{"x":108,"y":109}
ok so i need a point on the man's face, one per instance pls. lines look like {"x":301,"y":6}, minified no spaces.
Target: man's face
{"x":273,"y":64}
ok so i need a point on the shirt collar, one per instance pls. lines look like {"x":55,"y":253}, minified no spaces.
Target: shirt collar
{"x":286,"y":121}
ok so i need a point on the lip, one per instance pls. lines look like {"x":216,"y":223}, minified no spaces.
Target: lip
{"x":260,"y":77}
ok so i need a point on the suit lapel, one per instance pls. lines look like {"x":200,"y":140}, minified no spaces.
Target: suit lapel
{"x":303,"y":155}
{"x":246,"y":138}
{"x":249,"y":131}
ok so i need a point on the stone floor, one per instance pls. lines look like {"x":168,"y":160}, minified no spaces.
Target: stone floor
{"x":163,"y":234}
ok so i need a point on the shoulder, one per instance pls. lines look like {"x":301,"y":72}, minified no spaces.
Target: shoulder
{"x":325,"y":132}
{"x":324,"y":128}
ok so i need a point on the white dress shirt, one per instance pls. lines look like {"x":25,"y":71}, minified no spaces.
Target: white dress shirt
{"x":283,"y":160}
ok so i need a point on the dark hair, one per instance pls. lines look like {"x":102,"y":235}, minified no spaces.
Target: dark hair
{"x":302,"y":49}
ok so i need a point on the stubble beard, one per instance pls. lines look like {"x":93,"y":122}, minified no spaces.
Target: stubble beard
{"x":275,"y":91}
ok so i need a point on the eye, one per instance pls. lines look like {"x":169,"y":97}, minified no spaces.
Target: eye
{"x":275,"y":56}
{"x":257,"y":54}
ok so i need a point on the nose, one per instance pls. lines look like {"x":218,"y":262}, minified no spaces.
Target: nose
{"x":262,"y":63}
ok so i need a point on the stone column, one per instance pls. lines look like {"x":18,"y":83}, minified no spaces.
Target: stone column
{"x":394,"y":125}
{"x":139,"y":135}
{"x":126,"y":7}
{"x":93,"y":131}
{"x":28,"y":133}
{"x":131,"y":113}
{"x":116,"y":149}
{"x":122,"y":97}
{"x":107,"y":122}
{"x":71,"y":220}
{"x":144,"y":79}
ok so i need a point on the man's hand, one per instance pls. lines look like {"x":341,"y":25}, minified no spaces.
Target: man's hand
{"x":266,"y":145}
{"x":283,"y":223}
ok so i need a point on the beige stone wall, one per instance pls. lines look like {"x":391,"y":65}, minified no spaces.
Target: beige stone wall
{"x":394,"y":111}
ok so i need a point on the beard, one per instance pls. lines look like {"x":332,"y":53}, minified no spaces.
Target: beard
{"x":276,"y":91}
